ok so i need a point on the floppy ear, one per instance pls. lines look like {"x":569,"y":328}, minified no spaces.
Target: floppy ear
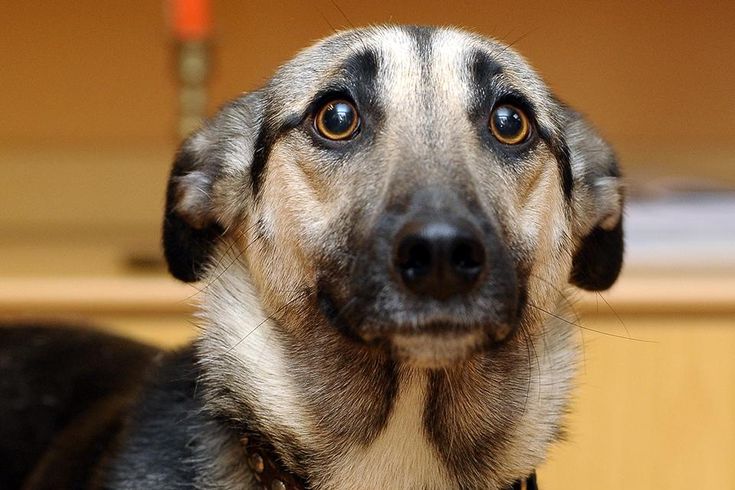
{"x":598,"y":258}
{"x":209,"y":186}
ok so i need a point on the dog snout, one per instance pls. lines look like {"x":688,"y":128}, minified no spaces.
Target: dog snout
{"x":438,"y":258}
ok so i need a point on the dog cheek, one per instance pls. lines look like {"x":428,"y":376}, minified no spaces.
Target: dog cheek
{"x":283,"y":255}
{"x":279,"y":278}
{"x":541,"y":246}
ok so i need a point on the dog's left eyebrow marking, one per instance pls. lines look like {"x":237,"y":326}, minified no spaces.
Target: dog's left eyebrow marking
{"x":358,"y":72}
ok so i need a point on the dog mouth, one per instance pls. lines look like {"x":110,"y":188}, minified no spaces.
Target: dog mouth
{"x":437,"y":344}
{"x":418,"y":339}
{"x":435,"y":350}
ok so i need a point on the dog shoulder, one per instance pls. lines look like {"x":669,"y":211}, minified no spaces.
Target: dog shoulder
{"x":170,"y":441}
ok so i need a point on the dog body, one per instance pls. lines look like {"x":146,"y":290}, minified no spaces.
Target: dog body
{"x":385,"y":234}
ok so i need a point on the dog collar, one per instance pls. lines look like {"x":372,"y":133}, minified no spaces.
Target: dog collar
{"x":266,"y":469}
{"x":271,"y":475}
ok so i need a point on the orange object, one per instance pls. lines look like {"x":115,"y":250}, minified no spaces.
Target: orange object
{"x":191,"y":19}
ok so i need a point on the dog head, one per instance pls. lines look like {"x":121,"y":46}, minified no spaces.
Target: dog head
{"x":415,"y":192}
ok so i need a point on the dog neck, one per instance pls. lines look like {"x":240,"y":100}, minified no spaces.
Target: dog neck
{"x":344,"y":418}
{"x":271,"y":474}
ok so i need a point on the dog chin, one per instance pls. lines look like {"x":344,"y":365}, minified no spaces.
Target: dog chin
{"x":435,"y":350}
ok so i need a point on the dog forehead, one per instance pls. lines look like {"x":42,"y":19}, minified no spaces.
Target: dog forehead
{"x":408,"y":59}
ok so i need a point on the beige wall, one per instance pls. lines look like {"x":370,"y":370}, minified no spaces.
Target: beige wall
{"x":88,"y":97}
{"x":90,"y":71}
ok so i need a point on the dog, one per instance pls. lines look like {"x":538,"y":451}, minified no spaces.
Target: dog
{"x":384,"y":236}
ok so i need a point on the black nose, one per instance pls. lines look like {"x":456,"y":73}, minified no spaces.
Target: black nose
{"x":437,"y":258}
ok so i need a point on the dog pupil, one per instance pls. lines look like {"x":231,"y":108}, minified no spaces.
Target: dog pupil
{"x":339,"y":117}
{"x":508,"y":122}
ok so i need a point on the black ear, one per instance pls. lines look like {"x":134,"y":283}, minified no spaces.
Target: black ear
{"x":598,"y":258}
{"x":187,"y":240}
{"x":209,"y":186}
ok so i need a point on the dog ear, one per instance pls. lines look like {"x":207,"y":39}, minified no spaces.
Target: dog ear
{"x":598,"y":258}
{"x":209,"y":186}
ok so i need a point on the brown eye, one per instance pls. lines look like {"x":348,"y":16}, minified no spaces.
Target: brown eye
{"x":509,"y":125}
{"x":337,"y":120}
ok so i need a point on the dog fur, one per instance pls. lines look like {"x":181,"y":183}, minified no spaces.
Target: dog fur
{"x":306,"y":339}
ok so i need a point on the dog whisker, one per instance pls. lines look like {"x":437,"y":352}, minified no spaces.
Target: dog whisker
{"x":601,"y":332}
{"x":232,"y":262}
{"x":599,"y":295}
{"x":324,"y":18}
{"x":339,"y":9}
{"x":571,"y":308}
{"x":260,"y":324}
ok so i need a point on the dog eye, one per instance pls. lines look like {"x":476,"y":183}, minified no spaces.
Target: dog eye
{"x":509,"y":124}
{"x":337,"y":120}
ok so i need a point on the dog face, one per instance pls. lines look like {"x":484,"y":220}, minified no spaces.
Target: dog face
{"x":420,"y":191}
{"x":395,"y":199}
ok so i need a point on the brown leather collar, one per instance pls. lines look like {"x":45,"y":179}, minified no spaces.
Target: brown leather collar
{"x":269,"y":472}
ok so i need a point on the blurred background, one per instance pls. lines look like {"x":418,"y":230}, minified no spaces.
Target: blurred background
{"x":92,"y":97}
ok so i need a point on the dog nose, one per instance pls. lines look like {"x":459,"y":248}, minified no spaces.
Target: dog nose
{"x":438,"y":259}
